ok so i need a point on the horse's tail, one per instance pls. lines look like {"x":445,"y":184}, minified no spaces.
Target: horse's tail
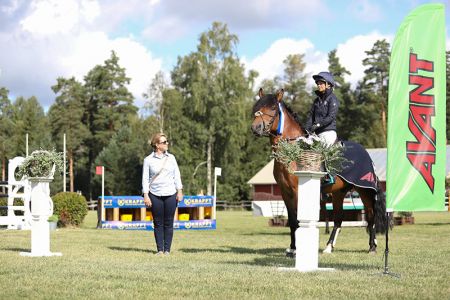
{"x":380,"y":210}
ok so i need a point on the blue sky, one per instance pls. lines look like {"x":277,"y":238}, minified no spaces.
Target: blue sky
{"x":44,"y":39}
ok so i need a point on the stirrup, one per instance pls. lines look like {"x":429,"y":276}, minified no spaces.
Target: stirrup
{"x":328,"y":179}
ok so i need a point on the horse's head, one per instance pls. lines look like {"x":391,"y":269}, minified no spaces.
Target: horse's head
{"x":265,"y":112}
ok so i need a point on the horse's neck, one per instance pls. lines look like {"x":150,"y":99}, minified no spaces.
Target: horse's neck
{"x":291,"y":130}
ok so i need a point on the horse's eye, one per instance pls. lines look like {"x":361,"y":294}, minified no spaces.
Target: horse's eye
{"x":258,"y":113}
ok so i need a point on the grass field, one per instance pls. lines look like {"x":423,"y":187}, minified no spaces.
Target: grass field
{"x":239,"y":260}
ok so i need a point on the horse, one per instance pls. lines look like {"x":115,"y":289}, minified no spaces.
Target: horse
{"x":266,"y":122}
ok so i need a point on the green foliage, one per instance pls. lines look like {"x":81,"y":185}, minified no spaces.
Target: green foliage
{"x":211,"y":114}
{"x":71,"y":208}
{"x":123,"y":158}
{"x":53,"y":218}
{"x":40,"y":164}
{"x":29,"y":118}
{"x":287,"y":152}
{"x":294,"y":84}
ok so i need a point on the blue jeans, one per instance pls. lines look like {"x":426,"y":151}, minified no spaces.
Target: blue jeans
{"x":163,"y":210}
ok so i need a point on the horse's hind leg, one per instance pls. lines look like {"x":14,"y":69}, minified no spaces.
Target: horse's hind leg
{"x":338,"y":215}
{"x":368,"y":199}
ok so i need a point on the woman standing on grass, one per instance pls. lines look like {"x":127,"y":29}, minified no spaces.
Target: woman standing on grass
{"x":162,"y":188}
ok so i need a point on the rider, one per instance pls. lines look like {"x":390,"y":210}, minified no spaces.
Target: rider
{"x":322,"y":115}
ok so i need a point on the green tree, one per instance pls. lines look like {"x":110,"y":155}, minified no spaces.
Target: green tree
{"x":123,"y":157}
{"x":29,"y":118}
{"x":214,"y":91}
{"x":347,"y":102}
{"x":66,"y":117}
{"x":374,"y":88}
{"x":155,"y":98}
{"x":6,"y":129}
{"x":295,"y":84}
{"x":109,"y":105}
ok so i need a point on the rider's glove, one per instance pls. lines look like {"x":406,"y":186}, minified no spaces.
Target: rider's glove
{"x":314,"y":127}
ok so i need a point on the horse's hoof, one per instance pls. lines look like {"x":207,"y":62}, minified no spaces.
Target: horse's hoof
{"x":328,"y":249}
{"x":373,"y":250}
{"x":290,"y":253}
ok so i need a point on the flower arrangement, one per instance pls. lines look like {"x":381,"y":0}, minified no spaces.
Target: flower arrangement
{"x":300,"y":150}
{"x":41,"y":163}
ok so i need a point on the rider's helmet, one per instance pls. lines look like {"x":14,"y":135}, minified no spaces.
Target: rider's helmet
{"x":324,"y":76}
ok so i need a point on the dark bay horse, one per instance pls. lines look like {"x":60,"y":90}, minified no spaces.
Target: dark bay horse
{"x":266,"y":112}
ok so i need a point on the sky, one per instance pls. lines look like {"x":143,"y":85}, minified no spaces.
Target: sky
{"x":42,"y":40}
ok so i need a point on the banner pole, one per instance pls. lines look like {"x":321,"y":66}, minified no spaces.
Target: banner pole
{"x":386,"y":250}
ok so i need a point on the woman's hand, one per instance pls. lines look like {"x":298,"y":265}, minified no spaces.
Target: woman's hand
{"x":179,"y":195}
{"x":147,"y":200}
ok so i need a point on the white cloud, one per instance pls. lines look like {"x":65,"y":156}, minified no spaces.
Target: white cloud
{"x":93,"y":48}
{"x":352,"y":52}
{"x":49,"y":17}
{"x":270,"y":63}
{"x":53,"y":40}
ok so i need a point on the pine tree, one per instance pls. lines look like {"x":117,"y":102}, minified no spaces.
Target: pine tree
{"x":295,"y":84}
{"x":66,"y":117}
{"x":109,"y":105}
{"x":6,"y":129}
{"x":347,"y":104}
{"x":374,"y":88}
{"x":214,"y":91}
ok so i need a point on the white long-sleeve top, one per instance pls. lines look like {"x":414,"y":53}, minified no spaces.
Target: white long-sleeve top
{"x":168,"y":180}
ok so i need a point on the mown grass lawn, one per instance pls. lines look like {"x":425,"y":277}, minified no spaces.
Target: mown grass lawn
{"x":239,"y":260}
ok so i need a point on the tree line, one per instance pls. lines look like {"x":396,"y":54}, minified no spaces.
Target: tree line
{"x":205,"y":111}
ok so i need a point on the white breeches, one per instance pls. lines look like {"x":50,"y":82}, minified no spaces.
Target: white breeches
{"x":328,"y":137}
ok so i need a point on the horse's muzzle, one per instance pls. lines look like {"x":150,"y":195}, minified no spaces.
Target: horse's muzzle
{"x":258,"y":129}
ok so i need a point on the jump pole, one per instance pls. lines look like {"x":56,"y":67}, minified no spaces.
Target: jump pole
{"x":308,"y":212}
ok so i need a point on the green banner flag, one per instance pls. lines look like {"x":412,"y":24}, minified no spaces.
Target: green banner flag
{"x":416,"y":142}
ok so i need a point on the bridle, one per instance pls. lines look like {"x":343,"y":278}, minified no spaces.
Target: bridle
{"x":266,"y":127}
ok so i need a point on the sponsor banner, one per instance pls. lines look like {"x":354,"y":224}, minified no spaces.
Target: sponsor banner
{"x":123,"y":202}
{"x":196,"y":201}
{"x":148,"y":225}
{"x":138,"y":201}
{"x":416,"y":144}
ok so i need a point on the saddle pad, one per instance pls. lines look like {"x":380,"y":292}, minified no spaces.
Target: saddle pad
{"x":358,"y":169}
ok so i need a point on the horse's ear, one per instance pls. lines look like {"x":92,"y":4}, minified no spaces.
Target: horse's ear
{"x":260,"y":93}
{"x":280,"y":95}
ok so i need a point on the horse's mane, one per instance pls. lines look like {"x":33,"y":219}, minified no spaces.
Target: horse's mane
{"x":271,"y":100}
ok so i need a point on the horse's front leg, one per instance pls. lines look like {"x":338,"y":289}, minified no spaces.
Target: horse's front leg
{"x":293,"y":225}
{"x":338,"y":217}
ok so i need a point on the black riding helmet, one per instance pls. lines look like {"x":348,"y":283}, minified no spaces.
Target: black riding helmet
{"x":324,"y":76}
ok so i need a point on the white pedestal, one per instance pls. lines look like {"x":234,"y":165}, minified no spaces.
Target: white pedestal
{"x":308,"y":212}
{"x":41,"y":209}
{"x":40,"y":238}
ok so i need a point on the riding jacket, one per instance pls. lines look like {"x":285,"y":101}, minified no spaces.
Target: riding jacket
{"x":323,"y":112}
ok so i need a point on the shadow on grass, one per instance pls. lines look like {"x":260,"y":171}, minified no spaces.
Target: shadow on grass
{"x":430,"y":224}
{"x":349,"y":251}
{"x":15,"y":249}
{"x":237,"y":250}
{"x":266,"y":233}
{"x":282,"y":261}
{"x":131,"y":249}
